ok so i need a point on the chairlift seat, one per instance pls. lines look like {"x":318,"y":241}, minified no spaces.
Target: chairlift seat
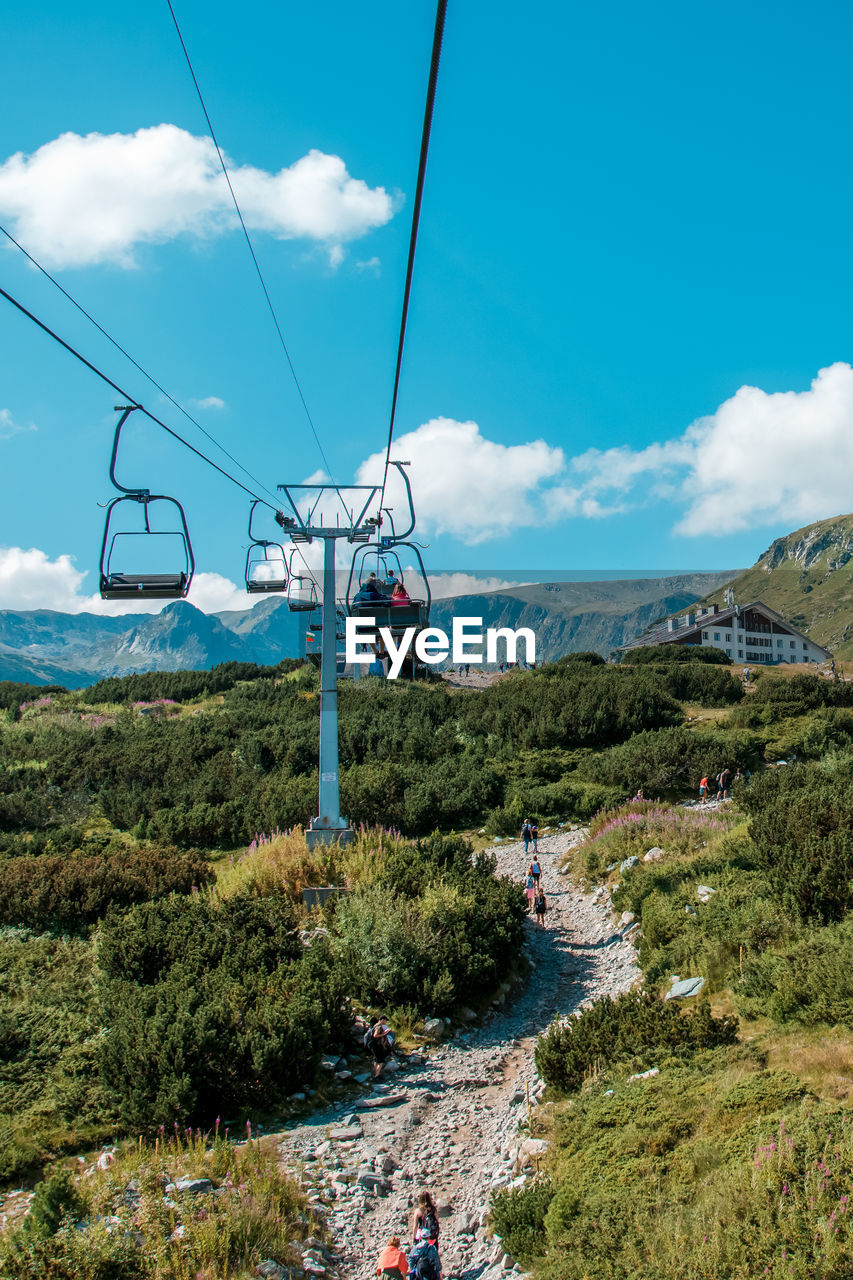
{"x":395,"y":616}
{"x":258,"y":586}
{"x":144,"y":586}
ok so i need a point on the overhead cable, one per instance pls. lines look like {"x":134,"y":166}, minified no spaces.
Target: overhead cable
{"x":129,"y":357}
{"x":438,"y":35}
{"x":248,"y":238}
{"x":131,"y":399}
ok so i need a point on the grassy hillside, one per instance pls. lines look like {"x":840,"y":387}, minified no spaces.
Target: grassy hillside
{"x":155,"y":968}
{"x":807,"y":577}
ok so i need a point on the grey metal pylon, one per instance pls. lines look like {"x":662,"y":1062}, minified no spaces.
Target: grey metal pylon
{"x":329,"y":826}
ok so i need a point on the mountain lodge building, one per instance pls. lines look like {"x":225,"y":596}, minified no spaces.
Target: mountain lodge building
{"x":752,"y":633}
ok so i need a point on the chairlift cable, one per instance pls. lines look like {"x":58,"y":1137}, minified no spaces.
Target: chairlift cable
{"x":248,"y":239}
{"x":132,"y":399}
{"x":129,"y":357}
{"x":438,"y":36}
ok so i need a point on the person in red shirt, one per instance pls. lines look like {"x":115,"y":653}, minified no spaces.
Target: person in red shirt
{"x":393,"y":1263}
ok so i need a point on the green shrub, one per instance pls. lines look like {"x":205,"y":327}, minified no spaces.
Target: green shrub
{"x":705,"y":683}
{"x":652,"y":654}
{"x":670,"y":762}
{"x":450,"y":945}
{"x":211,"y":1007}
{"x":54,"y":1199}
{"x":94,"y":1254}
{"x":518,"y":1217}
{"x":636,"y":1025}
{"x":807,"y":982}
{"x":50,"y":892}
{"x":800,"y":827}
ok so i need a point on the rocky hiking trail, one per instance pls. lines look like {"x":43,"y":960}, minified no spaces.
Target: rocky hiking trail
{"x":448,"y":1120}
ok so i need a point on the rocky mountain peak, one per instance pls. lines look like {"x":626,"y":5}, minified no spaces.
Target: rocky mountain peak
{"x":827,"y":541}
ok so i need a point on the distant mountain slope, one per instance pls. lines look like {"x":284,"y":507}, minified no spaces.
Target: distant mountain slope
{"x":568,"y":617}
{"x":807,"y":577}
{"x":45,"y":647}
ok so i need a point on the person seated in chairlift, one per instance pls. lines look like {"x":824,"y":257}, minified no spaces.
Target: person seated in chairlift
{"x":391,"y":579}
{"x":369,"y":593}
{"x":400,"y":595}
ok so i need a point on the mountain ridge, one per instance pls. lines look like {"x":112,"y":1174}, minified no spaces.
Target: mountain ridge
{"x":807,"y":577}
{"x":46,"y":646}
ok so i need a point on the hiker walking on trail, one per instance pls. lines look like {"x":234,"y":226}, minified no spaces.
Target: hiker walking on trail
{"x":535,"y":870}
{"x":724,"y":782}
{"x":425,"y":1218}
{"x":379,"y":1041}
{"x":540,"y":906}
{"x":534,"y":834}
{"x":392,"y":1263}
{"x":530,"y":890}
{"x":703,"y":790}
{"x":424,"y":1262}
{"x":525,"y":834}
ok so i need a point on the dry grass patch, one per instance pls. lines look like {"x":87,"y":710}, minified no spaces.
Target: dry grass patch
{"x":822,"y":1057}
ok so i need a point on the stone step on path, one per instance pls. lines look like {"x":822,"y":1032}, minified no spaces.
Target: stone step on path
{"x":450,"y":1123}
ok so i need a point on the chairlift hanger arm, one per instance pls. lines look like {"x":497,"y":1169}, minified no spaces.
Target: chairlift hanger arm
{"x":141,"y":494}
{"x":401,"y":537}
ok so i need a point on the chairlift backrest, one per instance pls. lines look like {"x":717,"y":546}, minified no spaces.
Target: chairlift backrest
{"x":266,"y":563}
{"x":301,"y":594}
{"x":122,"y":584}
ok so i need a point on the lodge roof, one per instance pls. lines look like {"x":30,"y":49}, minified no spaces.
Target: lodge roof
{"x":691,"y":632}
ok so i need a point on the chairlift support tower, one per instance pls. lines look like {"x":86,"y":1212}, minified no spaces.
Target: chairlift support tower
{"x":353,"y":523}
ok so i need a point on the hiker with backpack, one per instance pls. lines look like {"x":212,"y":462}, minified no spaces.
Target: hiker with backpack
{"x":379,"y":1041}
{"x":424,"y":1262}
{"x":535,"y":870}
{"x":392,"y":1263}
{"x":425,"y":1217}
{"x":534,"y":834}
{"x":530,"y":890}
{"x":525,"y":835}
{"x":540,"y":906}
{"x":724,"y":779}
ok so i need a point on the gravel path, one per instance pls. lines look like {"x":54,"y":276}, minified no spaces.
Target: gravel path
{"x":450,"y":1121}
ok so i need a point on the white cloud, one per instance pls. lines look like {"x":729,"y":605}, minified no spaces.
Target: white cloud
{"x":443,"y":585}
{"x":781,"y":458}
{"x":29,"y":579}
{"x":209,"y":402}
{"x":762,"y":459}
{"x":467,"y":485}
{"x":8,"y":426}
{"x":80,"y":200}
{"x":317,"y":477}
{"x":211,"y":592}
{"x":369,"y":264}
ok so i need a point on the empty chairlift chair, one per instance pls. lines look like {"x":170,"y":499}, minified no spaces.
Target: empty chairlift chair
{"x":124,"y":550}
{"x":302,"y":594}
{"x":266,"y":563}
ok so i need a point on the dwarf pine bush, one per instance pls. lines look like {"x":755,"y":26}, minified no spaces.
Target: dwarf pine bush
{"x":636,"y":1027}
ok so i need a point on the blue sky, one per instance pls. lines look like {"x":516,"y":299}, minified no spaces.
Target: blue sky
{"x":633,"y":268}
